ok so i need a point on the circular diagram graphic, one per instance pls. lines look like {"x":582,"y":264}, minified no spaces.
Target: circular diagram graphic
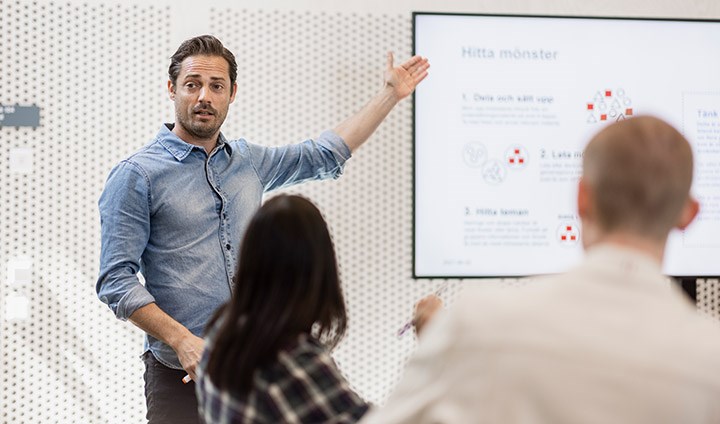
{"x":474,"y":154}
{"x":568,"y":234}
{"x":516,"y":157}
{"x":493,"y":172}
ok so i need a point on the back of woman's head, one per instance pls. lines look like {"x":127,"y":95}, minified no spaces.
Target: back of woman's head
{"x":286,"y":281}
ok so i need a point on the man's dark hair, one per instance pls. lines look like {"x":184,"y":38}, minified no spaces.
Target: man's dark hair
{"x":204,"y":45}
{"x":286,"y":285}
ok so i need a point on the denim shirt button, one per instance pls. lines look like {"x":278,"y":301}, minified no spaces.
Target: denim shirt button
{"x":228,"y":247}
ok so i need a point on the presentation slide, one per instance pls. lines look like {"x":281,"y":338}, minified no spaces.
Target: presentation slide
{"x":502,"y":120}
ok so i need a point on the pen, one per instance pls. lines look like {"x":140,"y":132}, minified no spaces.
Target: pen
{"x":408,"y":325}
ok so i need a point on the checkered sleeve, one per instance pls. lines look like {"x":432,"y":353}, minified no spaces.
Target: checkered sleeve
{"x":303,"y":386}
{"x":315,"y":390}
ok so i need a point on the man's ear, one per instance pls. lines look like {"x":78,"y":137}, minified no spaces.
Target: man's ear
{"x":234,"y":92}
{"x":689,"y":212}
{"x":583,"y":199}
{"x":171,"y":90}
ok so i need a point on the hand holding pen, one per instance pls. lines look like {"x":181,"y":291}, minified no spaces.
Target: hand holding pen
{"x":425,"y":309}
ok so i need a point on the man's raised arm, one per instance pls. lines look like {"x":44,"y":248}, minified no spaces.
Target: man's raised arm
{"x":400,"y":82}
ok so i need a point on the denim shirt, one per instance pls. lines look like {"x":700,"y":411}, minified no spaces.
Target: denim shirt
{"x":177,"y":215}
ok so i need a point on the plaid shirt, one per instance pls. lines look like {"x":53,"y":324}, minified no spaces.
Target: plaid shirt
{"x":304,"y":385}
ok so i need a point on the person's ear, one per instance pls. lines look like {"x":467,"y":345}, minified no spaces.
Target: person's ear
{"x":171,"y":90}
{"x":587,"y":213}
{"x":234,"y":92}
{"x":583,"y":199}
{"x":689,"y":212}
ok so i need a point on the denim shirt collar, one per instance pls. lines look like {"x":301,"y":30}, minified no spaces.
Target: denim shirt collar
{"x":179,"y":148}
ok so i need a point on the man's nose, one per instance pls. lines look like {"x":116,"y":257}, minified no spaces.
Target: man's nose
{"x":203,"y":95}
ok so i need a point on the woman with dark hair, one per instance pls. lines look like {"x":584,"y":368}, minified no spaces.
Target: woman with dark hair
{"x":267,"y":355}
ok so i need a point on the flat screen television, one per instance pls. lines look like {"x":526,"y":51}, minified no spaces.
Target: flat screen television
{"x":501,"y":122}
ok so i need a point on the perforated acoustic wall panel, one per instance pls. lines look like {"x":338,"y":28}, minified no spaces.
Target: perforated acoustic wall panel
{"x":97,"y":73}
{"x":708,"y":297}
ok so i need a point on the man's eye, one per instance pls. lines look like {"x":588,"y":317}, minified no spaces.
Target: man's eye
{"x":190,"y":85}
{"x":219,"y":86}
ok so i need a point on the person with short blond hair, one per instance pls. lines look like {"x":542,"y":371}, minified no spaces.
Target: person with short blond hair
{"x":610,"y":341}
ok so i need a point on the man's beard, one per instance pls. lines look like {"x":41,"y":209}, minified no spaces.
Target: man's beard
{"x":198,"y":129}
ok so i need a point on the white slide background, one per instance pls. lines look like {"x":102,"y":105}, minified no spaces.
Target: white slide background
{"x":500,"y":129}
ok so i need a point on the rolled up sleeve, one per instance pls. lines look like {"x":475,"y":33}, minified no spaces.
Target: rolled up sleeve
{"x":125,"y":229}
{"x":322,"y":158}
